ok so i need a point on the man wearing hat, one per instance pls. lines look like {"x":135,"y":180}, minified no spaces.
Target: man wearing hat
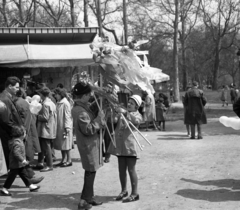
{"x":86,"y":126}
{"x":47,"y":129}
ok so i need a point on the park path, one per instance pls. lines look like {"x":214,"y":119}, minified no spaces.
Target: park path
{"x":174,"y":173}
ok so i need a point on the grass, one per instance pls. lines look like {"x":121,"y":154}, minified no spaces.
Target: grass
{"x":213,"y":97}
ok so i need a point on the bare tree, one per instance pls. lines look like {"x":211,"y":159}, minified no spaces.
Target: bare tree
{"x":104,"y":12}
{"x":220,"y":22}
{"x":3,"y":11}
{"x":52,"y":11}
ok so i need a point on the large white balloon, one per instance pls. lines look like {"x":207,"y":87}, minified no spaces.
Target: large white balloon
{"x":35,"y":107}
{"x":230,"y":122}
{"x":36,"y":98}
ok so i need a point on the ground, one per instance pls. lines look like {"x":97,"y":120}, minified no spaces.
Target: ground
{"x":174,"y":173}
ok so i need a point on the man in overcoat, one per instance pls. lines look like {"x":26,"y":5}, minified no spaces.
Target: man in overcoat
{"x":195,"y":113}
{"x":9,"y":117}
{"x":8,"y":114}
{"x":87,"y":127}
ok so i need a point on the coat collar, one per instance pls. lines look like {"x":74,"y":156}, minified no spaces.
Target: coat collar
{"x":62,"y":101}
{"x":8,"y":94}
{"x":86,"y":106}
{"x":47,"y":100}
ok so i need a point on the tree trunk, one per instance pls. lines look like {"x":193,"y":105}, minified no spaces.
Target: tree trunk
{"x":85,"y":9}
{"x":72,"y":11}
{"x":4,"y":13}
{"x":99,"y":18}
{"x":175,"y":53}
{"x":21,"y":12}
{"x":216,"y":65}
{"x":34,"y":12}
{"x":184,"y":68}
{"x":125,"y":23}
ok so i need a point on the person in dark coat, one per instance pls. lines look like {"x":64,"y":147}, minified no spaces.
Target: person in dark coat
{"x":29,"y":120}
{"x":9,"y":115}
{"x":87,"y":127}
{"x":165,"y":99}
{"x":17,"y":161}
{"x":233,"y":93}
{"x":32,"y":144}
{"x":195,"y":113}
{"x":160,"y":114}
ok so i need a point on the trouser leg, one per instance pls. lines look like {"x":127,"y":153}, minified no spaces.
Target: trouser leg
{"x":52,"y":149}
{"x":88,"y":191}
{"x":11,"y":177}
{"x":41,"y":154}
{"x":199,"y":127}
{"x":163,"y":125}
{"x":24,"y":176}
{"x":47,"y":151}
{"x":192,"y":131}
{"x":6,"y":152}
{"x":188,"y":129}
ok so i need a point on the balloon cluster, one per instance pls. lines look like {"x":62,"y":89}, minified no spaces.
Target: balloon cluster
{"x":35,"y":105}
{"x":100,"y":50}
{"x":230,"y":122}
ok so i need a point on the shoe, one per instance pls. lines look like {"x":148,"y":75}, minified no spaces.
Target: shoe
{"x":107,"y":160}
{"x":163,"y":129}
{"x":59,"y":164}
{"x":84,"y":205}
{"x":159,"y":128}
{"x":121,"y":196}
{"x":131,"y":198}
{"x":192,"y":137}
{"x":38,"y":167}
{"x":95,"y":203}
{"x":5,"y":194}
{"x":200,"y":137}
{"x":66,"y":165}
{"x":46,"y":169}
{"x":146,"y":129}
{"x":37,"y":180}
{"x":34,"y":189}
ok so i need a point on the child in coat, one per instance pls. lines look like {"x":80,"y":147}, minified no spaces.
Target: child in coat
{"x":127,"y":149}
{"x":161,"y":114}
{"x":17,"y":161}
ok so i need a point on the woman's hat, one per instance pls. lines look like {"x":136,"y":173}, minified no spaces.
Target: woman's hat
{"x":137,"y":99}
{"x":45,"y":91}
{"x":81,"y":88}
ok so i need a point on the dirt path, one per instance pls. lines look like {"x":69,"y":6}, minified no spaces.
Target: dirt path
{"x":174,"y":173}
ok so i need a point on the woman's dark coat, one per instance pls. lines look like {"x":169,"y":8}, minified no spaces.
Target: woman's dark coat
{"x":195,"y":102}
{"x":29,"y":120}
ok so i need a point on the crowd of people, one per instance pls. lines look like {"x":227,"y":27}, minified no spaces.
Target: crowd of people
{"x":45,"y":131}
{"x":25,"y":132}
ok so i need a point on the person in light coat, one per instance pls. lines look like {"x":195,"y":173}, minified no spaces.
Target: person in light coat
{"x":127,"y":149}
{"x":87,"y":127}
{"x":64,"y":139}
{"x":47,"y":129}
